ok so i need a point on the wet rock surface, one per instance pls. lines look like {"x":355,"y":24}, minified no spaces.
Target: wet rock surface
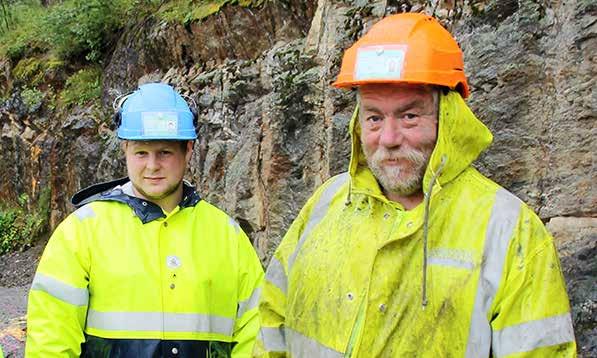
{"x":576,"y":239}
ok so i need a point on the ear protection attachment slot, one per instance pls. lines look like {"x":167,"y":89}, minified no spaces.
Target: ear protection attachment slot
{"x":117,"y":106}
{"x":194,"y":110}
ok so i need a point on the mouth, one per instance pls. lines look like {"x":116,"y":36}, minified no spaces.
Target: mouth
{"x":393,"y":162}
{"x":153,"y":179}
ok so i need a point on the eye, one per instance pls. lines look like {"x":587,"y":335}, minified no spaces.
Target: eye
{"x":409,"y":117}
{"x":373,"y":119}
{"x":140,"y":153}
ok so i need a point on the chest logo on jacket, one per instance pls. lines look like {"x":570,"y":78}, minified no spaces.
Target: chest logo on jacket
{"x":173,"y":262}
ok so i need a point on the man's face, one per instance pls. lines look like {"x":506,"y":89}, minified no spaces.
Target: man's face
{"x":398,"y":133}
{"x":156,"y":168}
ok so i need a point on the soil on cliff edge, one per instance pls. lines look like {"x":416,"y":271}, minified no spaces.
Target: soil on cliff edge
{"x":18,"y":268}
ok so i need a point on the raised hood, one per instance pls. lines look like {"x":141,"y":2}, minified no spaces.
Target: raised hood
{"x":461,"y":138}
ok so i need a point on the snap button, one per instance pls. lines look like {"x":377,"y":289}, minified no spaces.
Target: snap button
{"x":386,"y":216}
{"x":172,"y":286}
{"x":174,"y":350}
{"x":350,"y":296}
{"x":144,"y":203}
{"x":165,"y":224}
{"x":382,"y":308}
{"x":409,"y":224}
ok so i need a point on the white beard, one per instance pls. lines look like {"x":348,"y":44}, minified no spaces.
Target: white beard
{"x":403,"y":179}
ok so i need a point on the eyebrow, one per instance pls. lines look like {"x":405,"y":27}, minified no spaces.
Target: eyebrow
{"x":412,"y":104}
{"x":409,"y":105}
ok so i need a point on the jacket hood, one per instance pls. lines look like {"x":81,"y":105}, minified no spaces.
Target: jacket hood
{"x":461,"y":138}
{"x":115,"y":191}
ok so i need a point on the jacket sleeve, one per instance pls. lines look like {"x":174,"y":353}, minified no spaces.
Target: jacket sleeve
{"x":531,"y":312}
{"x":250,"y":282}
{"x":59,"y":296}
{"x":272,"y":305}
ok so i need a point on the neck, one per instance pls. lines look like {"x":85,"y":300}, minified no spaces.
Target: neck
{"x":408,"y":201}
{"x":167,"y":203}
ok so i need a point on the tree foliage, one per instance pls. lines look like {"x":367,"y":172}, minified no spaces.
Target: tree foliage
{"x":70,"y":29}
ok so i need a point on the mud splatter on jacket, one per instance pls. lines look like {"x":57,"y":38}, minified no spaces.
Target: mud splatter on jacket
{"x":348,"y":278}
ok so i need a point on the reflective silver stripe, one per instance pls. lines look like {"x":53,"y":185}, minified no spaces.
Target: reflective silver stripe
{"x":249,"y":303}
{"x":60,"y":290}
{"x":159,"y":322}
{"x":319,"y":212}
{"x":84,"y":212}
{"x":527,"y":336}
{"x":503,"y":219}
{"x":273,"y":339}
{"x":444,"y":261}
{"x":275,"y":275}
{"x":234,"y":224}
{"x":301,"y":346}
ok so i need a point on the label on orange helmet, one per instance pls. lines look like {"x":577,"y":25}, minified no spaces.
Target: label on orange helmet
{"x":379,"y":62}
{"x":159,"y":123}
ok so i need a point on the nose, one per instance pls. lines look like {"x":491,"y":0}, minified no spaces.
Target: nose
{"x":152,"y":162}
{"x":391,"y":134}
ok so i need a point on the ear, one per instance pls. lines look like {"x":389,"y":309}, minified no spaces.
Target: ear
{"x":189,"y":153}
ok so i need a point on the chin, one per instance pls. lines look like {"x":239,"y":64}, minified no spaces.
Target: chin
{"x":151,"y":193}
{"x":157,"y":195}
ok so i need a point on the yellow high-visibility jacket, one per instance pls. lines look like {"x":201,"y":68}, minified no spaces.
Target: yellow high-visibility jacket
{"x":119,"y":278}
{"x":356,"y":275}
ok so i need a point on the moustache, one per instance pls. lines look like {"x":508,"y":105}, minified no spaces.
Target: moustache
{"x":408,"y":154}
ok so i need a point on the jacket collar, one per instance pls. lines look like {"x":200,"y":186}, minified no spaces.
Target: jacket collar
{"x":116,"y":190}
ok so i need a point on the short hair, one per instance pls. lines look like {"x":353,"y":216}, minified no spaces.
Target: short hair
{"x":182,"y":143}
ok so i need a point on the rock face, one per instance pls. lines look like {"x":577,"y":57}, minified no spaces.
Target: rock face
{"x":272,"y":128}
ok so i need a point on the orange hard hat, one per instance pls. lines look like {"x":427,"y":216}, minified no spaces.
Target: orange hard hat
{"x":405,"y":48}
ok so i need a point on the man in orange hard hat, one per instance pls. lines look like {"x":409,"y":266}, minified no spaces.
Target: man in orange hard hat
{"x":413,"y":252}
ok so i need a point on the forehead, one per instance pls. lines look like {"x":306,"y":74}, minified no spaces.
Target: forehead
{"x":153,"y":144}
{"x":396,"y":93}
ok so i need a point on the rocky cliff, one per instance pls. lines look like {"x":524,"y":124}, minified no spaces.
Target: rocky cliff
{"x":272,"y":128}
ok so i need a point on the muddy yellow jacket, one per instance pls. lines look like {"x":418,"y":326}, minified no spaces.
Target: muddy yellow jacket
{"x":119,"y":278}
{"x":475,"y":274}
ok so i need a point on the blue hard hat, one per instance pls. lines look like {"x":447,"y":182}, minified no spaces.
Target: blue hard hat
{"x":155,"y":112}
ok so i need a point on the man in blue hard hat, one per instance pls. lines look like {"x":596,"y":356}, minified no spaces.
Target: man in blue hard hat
{"x":144,"y":267}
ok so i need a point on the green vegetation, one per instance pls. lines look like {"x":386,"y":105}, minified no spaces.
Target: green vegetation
{"x":82,"y":87}
{"x":20,"y":34}
{"x":83,"y":29}
{"x":32,"y":98}
{"x":219,"y":350}
{"x":69,"y":29}
{"x":21,"y":225}
{"x":186,"y":11}
{"x":34,"y":70}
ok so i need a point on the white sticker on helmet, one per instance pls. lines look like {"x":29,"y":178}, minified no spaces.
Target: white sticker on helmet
{"x":159,"y":123}
{"x":379,"y":62}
